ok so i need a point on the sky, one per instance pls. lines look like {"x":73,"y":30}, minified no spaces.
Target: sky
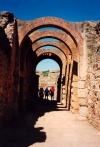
{"x":69,"y":10}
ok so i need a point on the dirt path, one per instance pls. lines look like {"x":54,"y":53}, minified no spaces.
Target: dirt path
{"x":63,"y":129}
{"x":48,"y":126}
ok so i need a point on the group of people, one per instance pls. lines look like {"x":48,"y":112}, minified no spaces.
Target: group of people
{"x":46,"y":92}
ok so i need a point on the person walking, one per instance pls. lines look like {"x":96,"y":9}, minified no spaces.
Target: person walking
{"x":52,"y":89}
{"x":41,"y":93}
{"x":46,"y":93}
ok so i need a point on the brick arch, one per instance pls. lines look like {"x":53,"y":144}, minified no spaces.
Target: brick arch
{"x":54,"y":34}
{"x":61,"y":46}
{"x":30,"y":26}
{"x":50,"y":33}
{"x":49,"y":52}
{"x":41,"y":55}
{"x":63,"y":37}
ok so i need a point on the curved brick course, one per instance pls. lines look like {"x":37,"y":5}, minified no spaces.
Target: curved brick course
{"x":61,"y":46}
{"x":29,"y":26}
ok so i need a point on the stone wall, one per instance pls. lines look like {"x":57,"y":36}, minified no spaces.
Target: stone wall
{"x":89,"y":73}
{"x":87,"y":82}
{"x":92,"y":31}
{"x":7,"y":65}
{"x":7,"y":24}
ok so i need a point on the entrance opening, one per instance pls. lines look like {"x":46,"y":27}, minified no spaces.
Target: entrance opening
{"x":36,"y":45}
{"x":49,"y":74}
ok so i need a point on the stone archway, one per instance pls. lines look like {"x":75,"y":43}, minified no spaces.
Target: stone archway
{"x":59,"y":45}
{"x":49,"y":33}
{"x":53,"y":34}
{"x":53,"y":54}
{"x":31,"y":39}
{"x":29,"y":26}
{"x":82,"y":72}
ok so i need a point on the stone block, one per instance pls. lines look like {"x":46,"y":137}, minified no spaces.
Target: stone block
{"x":82,"y":93}
{"x":88,"y":76}
{"x":74,"y":111}
{"x":74,"y":105}
{"x":83,"y":111}
{"x":82,"y":78}
{"x":74,"y":98}
{"x":75,"y":78}
{"x":91,"y":110}
{"x":64,"y":91}
{"x":81,"y":84}
{"x":82,"y":102}
{"x":75,"y":84}
{"x":74,"y":90}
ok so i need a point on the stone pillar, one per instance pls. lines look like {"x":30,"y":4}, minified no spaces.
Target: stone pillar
{"x":82,"y":70}
{"x":74,"y":95}
{"x":63,"y":90}
{"x":68,"y":80}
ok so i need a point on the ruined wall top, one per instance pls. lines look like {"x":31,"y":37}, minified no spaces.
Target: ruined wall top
{"x":8,"y":17}
{"x":5,"y":18}
{"x":7,"y":23}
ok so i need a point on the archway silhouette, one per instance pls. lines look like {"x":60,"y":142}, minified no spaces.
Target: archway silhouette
{"x":68,"y":43}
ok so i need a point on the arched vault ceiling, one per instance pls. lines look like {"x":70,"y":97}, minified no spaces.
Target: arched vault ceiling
{"x":61,"y":46}
{"x":55,"y":34}
{"x":50,"y":52}
{"x":58,"y":35}
{"x":54,"y":57}
{"x":26,"y":27}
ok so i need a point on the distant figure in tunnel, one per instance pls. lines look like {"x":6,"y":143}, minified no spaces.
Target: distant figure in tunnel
{"x":52,"y":89}
{"x":41,"y":93}
{"x":46,"y":93}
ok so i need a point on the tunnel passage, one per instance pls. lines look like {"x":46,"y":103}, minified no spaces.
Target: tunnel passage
{"x":54,"y":22}
{"x":18,"y":59}
{"x":41,"y":54}
{"x":57,"y":56}
{"x":30,"y":45}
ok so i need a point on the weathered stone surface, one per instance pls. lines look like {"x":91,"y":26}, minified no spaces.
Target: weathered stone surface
{"x":83,"y":111}
{"x":82,"y":92}
{"x":77,"y":53}
{"x":75,"y":84}
{"x":74,"y":105}
{"x":74,"y":111}
{"x":82,"y":102}
{"x":74,"y":90}
{"x":81,"y":84}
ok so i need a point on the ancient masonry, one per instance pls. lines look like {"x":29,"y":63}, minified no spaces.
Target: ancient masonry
{"x":77,"y":53}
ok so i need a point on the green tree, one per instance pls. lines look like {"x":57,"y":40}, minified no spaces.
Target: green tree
{"x":45,"y":73}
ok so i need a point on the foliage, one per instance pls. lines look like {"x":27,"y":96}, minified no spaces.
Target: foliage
{"x":45,"y":73}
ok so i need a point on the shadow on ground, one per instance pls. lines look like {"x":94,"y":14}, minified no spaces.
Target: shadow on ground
{"x":21,"y":132}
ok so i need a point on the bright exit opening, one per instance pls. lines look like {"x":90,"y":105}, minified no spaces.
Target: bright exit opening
{"x":49,"y":73}
{"x":47,"y":64}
